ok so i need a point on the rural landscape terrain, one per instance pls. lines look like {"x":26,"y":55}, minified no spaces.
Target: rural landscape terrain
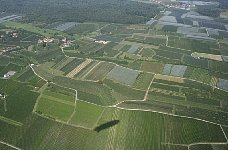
{"x":114,"y":75}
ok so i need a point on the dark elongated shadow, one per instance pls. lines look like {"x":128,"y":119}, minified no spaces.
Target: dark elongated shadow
{"x":106,"y":125}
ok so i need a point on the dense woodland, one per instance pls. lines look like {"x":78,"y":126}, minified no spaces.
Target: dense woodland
{"x":116,"y":11}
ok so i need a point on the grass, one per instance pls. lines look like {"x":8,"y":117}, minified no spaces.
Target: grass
{"x":55,"y":109}
{"x":152,"y":67}
{"x":86,"y":114}
{"x":143,"y":81}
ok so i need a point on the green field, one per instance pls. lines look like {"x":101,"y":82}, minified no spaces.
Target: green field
{"x":143,"y":81}
{"x":100,"y":71}
{"x":92,"y":88}
{"x":20,"y":99}
{"x":151,"y":67}
{"x":55,"y":108}
{"x":86,"y":115}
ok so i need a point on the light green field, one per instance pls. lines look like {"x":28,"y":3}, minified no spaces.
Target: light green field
{"x":55,"y":109}
{"x":86,"y":114}
{"x":62,"y":97}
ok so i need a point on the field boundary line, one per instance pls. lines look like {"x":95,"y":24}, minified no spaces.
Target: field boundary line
{"x":62,"y":122}
{"x":91,"y":103}
{"x":37,"y":74}
{"x":70,"y":89}
{"x":148,"y":89}
{"x":115,"y":105}
{"x":75,"y":104}
{"x":10,"y":145}
{"x":57,"y":100}
{"x":224,"y":133}
{"x":91,"y":70}
{"x":22,"y":40}
{"x":10,"y":121}
{"x":206,"y":143}
{"x":99,"y":118}
{"x":185,"y":145}
{"x":57,"y":135}
{"x":169,"y":114}
{"x":37,"y":100}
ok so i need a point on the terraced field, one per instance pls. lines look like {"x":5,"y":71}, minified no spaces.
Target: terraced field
{"x":100,"y":71}
{"x":76,"y":70}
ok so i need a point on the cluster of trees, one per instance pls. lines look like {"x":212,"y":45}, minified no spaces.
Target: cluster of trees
{"x":116,"y":11}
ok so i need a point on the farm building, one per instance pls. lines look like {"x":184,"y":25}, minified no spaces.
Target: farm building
{"x":102,"y":42}
{"x":9,"y":74}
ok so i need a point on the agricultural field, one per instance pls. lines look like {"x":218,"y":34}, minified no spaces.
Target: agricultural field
{"x":191,"y":44}
{"x":86,"y":115}
{"x":198,"y":74}
{"x":100,"y":71}
{"x":55,"y":105}
{"x":137,"y":75}
{"x":174,"y":70}
{"x":223,"y":84}
{"x":123,"y":75}
{"x":143,"y":80}
{"x":152,"y":67}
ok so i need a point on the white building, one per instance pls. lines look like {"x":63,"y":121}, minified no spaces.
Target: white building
{"x":9,"y":74}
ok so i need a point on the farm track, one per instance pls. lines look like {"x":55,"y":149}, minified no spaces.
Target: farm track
{"x":37,"y":101}
{"x":75,"y":104}
{"x":12,"y":146}
{"x":206,"y":143}
{"x":76,"y":70}
{"x":148,"y":89}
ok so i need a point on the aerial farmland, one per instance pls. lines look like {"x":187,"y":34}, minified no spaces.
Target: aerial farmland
{"x":113,"y":75}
